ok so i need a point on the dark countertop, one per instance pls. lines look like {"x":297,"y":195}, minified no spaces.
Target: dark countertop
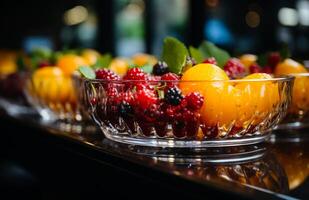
{"x":44,"y":162}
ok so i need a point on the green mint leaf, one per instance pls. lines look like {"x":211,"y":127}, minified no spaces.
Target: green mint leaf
{"x":208,"y":49}
{"x":174,"y":54}
{"x":147,"y":68}
{"x":87,"y":72}
{"x":262,"y":59}
{"x":196,"y":54}
{"x":104,"y":61}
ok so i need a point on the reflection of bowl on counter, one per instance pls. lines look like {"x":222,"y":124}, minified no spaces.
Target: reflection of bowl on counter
{"x":252,"y":165}
{"x":294,"y":158}
{"x":235,"y":112}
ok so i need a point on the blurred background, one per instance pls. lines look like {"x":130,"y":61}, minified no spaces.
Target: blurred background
{"x":124,"y":27}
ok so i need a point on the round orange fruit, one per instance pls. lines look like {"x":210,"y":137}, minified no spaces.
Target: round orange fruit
{"x":289,"y":66}
{"x":69,"y":63}
{"x":90,"y":56}
{"x":211,"y":81}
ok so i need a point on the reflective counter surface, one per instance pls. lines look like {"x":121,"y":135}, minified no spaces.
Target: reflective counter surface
{"x":276,"y":169}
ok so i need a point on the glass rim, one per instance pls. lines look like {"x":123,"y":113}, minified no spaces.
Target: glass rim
{"x":284,"y":78}
{"x":300,"y":74}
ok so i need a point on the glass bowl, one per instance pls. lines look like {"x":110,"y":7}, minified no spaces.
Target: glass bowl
{"x":234,"y":112}
{"x":298,"y":115}
{"x":12,"y":98}
{"x":53,"y":97}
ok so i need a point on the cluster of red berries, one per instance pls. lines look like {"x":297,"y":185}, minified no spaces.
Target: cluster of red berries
{"x":151,"y":99}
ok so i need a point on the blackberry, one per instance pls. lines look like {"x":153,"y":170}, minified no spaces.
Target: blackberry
{"x":173,"y":96}
{"x":160,"y":68}
{"x":125,"y":109}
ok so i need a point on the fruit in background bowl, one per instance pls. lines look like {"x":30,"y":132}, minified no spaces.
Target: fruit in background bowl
{"x":69,"y":63}
{"x":298,"y":111}
{"x":142,"y":59}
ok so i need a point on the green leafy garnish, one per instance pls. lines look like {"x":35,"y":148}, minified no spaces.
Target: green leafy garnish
{"x":104,"y":61}
{"x":196,"y":54}
{"x":147,"y":68}
{"x":262,"y":59}
{"x":87,"y":72}
{"x":285,"y":52}
{"x":208,"y":49}
{"x":174,"y":54}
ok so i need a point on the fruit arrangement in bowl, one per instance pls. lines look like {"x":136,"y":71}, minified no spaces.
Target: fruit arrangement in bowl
{"x":184,"y":104}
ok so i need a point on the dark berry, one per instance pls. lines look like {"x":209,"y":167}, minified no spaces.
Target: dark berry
{"x":273,"y":59}
{"x":234,"y":68}
{"x":145,"y":98}
{"x":179,"y":129}
{"x":160,"y":68}
{"x":173,"y":96}
{"x":136,"y":74}
{"x":210,"y":60}
{"x":255,"y":68}
{"x":194,"y":100}
{"x":171,"y":78}
{"x":267,"y":69}
{"x":125,"y":109}
{"x":161,"y":129}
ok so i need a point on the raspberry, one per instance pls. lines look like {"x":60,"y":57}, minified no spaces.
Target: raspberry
{"x":194,"y":100}
{"x":234,"y":68}
{"x":106,"y":74}
{"x":171,"y":79}
{"x":125,"y":97}
{"x":145,"y":98}
{"x":135,"y":74}
{"x":171,"y":111}
{"x":255,"y":68}
{"x":160,"y":68}
{"x":173,"y":96}
{"x":273,"y":59}
{"x":210,"y":60}
{"x":111,"y":92}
